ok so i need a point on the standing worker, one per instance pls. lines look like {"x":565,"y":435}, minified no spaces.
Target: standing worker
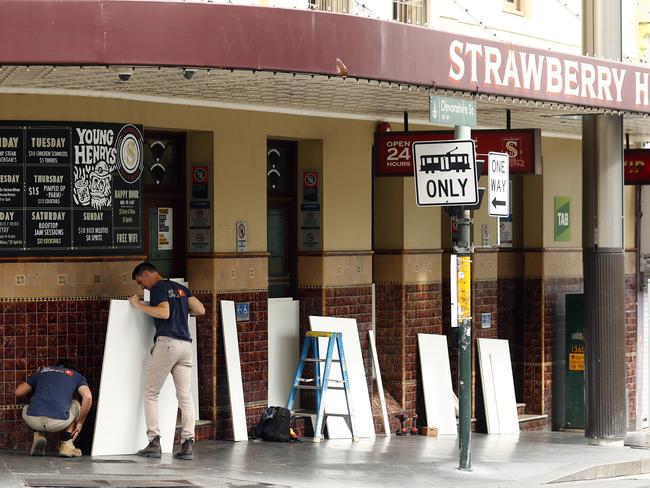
{"x":52,"y":407}
{"x":170,"y":303}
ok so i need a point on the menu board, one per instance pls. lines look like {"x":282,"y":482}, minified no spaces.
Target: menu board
{"x":70,"y":186}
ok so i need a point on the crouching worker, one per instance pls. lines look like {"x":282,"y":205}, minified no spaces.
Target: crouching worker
{"x":52,"y":407}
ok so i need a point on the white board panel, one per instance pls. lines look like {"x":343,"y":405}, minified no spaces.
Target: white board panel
{"x":284,"y":349}
{"x":335,"y":399}
{"x":436,"y":383}
{"x":498,"y":386}
{"x":233,"y":365}
{"x":195,"y":366}
{"x":120,"y":426}
{"x":380,"y":384}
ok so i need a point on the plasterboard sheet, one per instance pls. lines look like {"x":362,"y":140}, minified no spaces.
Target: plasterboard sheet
{"x":380,"y":384}
{"x":284,"y":345}
{"x":195,"y":370}
{"x":436,"y":383}
{"x":233,"y":365}
{"x":120,"y":427}
{"x":335,"y":399}
{"x":498,"y":386}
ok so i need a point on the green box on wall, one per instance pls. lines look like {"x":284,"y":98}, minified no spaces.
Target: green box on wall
{"x":562,"y":218}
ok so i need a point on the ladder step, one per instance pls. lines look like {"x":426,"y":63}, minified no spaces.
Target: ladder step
{"x":307,"y":387}
{"x":314,"y":360}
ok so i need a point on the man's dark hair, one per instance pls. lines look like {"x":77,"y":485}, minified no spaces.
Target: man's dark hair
{"x":141,"y":268}
{"x":67,"y":364}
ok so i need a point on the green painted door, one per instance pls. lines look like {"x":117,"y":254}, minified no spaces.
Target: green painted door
{"x":575,"y":362}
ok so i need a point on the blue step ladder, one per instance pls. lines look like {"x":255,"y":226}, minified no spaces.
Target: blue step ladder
{"x":321,"y":383}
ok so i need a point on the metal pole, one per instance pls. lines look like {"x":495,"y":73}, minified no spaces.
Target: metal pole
{"x":463,"y":249}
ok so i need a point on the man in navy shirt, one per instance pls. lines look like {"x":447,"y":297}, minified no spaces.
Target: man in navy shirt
{"x":169,"y":305}
{"x":52,"y":407}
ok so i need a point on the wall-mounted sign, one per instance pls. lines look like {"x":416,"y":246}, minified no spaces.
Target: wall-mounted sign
{"x":242,"y":311}
{"x":637,"y":166}
{"x":165,"y":229}
{"x":562,"y":218}
{"x":200,"y":183}
{"x":310,"y":221}
{"x":241,"y":231}
{"x":199,"y":240}
{"x":70,"y":186}
{"x":392,"y":150}
{"x":452,"y":111}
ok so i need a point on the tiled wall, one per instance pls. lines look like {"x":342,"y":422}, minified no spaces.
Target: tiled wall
{"x":35,"y":333}
{"x":404,"y":311}
{"x":253,"y":354}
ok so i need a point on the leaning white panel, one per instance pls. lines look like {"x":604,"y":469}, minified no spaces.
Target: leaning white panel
{"x":284,"y":348}
{"x":233,"y":365}
{"x":335,"y":399}
{"x":195,"y":369}
{"x":120,"y":426}
{"x":498,"y":386}
{"x":380,"y":384}
{"x":436,"y":383}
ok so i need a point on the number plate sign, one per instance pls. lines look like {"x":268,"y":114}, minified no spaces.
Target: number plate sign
{"x":445,"y":173}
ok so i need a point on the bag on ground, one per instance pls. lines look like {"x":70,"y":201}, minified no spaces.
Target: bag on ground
{"x":274,"y":425}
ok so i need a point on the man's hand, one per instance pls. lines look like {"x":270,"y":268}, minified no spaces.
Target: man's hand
{"x":135,"y":301}
{"x":77,"y":429}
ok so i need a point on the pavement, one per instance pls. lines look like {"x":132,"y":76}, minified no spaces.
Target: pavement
{"x":530,"y":459}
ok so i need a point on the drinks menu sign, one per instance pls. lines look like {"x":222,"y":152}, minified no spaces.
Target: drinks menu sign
{"x":70,"y":186}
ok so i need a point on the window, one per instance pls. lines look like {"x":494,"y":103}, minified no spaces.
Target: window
{"x":410,"y":11}
{"x":341,"y":6}
{"x":515,"y":6}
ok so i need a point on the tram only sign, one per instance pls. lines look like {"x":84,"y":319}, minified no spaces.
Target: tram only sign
{"x":445,"y":173}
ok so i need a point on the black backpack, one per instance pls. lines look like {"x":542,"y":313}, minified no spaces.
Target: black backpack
{"x":273,"y":425}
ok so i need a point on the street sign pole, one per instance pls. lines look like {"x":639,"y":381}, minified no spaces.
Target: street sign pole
{"x":463,"y":249}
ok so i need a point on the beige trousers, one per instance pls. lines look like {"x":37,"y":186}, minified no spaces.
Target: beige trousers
{"x":169,"y":356}
{"x":46,"y":424}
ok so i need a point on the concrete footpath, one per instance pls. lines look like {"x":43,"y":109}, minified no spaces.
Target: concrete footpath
{"x":551,"y":459}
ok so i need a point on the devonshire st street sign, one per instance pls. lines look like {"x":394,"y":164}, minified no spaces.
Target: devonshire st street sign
{"x":445,"y":173}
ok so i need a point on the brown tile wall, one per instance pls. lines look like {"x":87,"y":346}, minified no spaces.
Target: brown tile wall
{"x":533,"y":344}
{"x":34,"y":333}
{"x":404,"y":311}
{"x":253,"y":355}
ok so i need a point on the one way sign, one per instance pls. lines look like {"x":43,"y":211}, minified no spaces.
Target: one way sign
{"x":498,"y":185}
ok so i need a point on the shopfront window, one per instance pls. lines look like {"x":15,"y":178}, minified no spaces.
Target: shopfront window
{"x":341,"y":6}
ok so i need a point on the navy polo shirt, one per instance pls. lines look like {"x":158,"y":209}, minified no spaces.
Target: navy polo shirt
{"x":176,"y":295}
{"x":53,"y":389}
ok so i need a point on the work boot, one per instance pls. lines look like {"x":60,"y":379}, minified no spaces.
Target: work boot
{"x":68,"y":450}
{"x":185,"y":452}
{"x":152,"y":450}
{"x":38,"y":444}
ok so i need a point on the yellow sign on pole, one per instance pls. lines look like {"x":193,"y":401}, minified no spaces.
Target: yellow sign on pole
{"x":464,"y":287}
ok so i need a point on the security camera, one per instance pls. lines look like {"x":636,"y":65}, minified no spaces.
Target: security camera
{"x":124,"y":74}
{"x":188,"y":73}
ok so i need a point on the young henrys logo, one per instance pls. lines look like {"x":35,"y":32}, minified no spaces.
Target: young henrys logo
{"x":94,"y":160}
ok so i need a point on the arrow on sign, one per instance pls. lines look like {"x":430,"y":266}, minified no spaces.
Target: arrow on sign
{"x":496,"y":202}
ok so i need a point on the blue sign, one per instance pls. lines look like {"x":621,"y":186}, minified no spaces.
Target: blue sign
{"x":242,"y":311}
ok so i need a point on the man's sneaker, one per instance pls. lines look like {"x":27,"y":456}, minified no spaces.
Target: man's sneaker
{"x":68,"y":450}
{"x":185,"y":452}
{"x":152,"y":450}
{"x":38,"y":444}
